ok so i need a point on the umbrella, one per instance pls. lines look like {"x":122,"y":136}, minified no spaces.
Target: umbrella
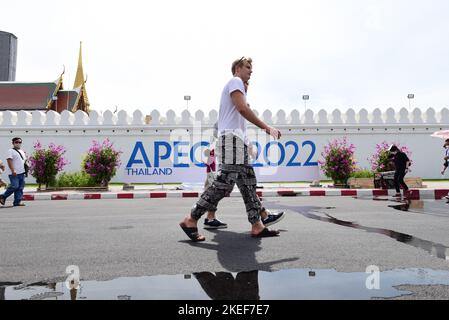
{"x":441,"y":134}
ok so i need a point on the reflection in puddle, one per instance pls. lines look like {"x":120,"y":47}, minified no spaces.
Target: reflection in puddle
{"x":435,"y":249}
{"x":294,"y":284}
{"x":224,"y":286}
{"x":407,"y":205}
{"x":434,"y":208}
{"x":46,"y":295}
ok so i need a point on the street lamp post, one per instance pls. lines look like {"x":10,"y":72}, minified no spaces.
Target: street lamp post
{"x":410,"y":97}
{"x":305,"y":98}
{"x":187,"y":99}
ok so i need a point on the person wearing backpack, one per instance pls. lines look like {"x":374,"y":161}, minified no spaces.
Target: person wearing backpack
{"x":18,"y":170}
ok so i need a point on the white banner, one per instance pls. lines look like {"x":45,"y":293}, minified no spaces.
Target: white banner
{"x":165,"y":161}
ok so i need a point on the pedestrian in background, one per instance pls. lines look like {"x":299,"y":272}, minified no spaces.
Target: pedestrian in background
{"x":401,"y":163}
{"x":16,"y":159}
{"x":2,"y":169}
{"x":445,"y":160}
{"x":446,"y":156}
{"x":211,"y":221}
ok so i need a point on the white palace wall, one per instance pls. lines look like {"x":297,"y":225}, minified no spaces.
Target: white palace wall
{"x":77,"y":130}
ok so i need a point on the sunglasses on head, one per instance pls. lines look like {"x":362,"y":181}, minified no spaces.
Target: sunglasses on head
{"x":242,"y":59}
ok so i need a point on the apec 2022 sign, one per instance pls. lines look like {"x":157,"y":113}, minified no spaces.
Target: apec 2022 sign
{"x":182,"y":161}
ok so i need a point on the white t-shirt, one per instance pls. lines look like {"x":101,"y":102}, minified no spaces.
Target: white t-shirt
{"x":17,"y":162}
{"x":229,"y":119}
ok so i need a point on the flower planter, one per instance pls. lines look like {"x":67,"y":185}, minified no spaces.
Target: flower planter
{"x":47,"y":163}
{"x":361,"y":183}
{"x":414,"y":182}
{"x":368,"y":183}
{"x":341,"y":186}
{"x":101,"y":162}
{"x":339,"y":162}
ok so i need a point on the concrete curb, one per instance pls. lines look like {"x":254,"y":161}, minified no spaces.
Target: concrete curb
{"x":416,"y":194}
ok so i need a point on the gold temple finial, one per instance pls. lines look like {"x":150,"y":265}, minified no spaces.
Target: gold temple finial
{"x":79,"y":79}
{"x":82,"y":101}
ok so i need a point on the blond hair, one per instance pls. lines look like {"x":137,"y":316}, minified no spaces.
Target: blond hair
{"x":239,"y":63}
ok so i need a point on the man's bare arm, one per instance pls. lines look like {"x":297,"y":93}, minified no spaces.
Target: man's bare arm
{"x":11,"y":166}
{"x":239,"y":101}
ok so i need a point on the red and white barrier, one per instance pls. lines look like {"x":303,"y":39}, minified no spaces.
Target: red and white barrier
{"x":415,"y":194}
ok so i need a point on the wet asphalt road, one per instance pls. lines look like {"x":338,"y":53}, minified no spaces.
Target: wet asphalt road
{"x":109,"y":239}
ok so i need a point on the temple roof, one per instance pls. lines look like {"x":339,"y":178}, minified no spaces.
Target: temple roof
{"x":67,"y":100}
{"x":28,"y":95}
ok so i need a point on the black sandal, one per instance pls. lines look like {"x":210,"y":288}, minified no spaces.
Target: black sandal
{"x":265,"y":233}
{"x":192,"y":233}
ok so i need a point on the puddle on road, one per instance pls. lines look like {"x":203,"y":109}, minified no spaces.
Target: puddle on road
{"x":435,"y":208}
{"x":425,"y":205}
{"x":294,"y":284}
{"x":434,"y":249}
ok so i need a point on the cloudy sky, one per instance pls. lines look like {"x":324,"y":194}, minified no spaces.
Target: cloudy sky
{"x":149,"y":54}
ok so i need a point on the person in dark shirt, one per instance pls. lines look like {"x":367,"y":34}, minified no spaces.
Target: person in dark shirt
{"x":401,"y":163}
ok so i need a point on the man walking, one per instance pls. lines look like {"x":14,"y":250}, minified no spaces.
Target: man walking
{"x":232,"y":151}
{"x":16,"y":164}
{"x":401,"y":163}
{"x":211,"y":222}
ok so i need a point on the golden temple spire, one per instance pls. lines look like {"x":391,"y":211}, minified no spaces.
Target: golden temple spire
{"x":82,"y":102}
{"x":79,"y":79}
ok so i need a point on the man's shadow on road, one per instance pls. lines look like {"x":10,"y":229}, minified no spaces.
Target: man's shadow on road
{"x":236,"y":252}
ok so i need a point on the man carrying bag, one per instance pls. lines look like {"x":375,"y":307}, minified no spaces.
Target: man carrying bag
{"x":18,"y":170}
